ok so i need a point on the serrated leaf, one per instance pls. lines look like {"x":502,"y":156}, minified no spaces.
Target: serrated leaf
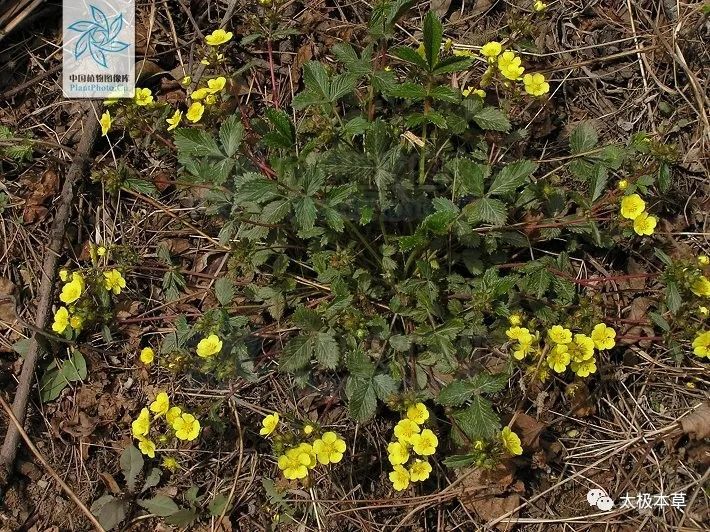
{"x":433,"y":32}
{"x":492,"y":119}
{"x":231,"y":134}
{"x":460,"y":460}
{"x":384,"y":386}
{"x":444,"y":94}
{"x":408,"y":91}
{"x":196,"y":143}
{"x":109,"y":511}
{"x":488,"y":210}
{"x":131,"y":463}
{"x":283,"y":135}
{"x":598,"y":181}
{"x":296,"y":354}
{"x":316,"y":79}
{"x":160,"y":505}
{"x":305,"y":210}
{"x":511,"y":177}
{"x":470,"y":175}
{"x":478,"y":421}
{"x":453,"y":64}
{"x":326,"y":350}
{"x":362,"y":402}
{"x":409,"y":55}
{"x":224,"y":290}
{"x":340,"y":86}
{"x":673,"y":298}
{"x":400,"y":342}
{"x":256,"y":190}
{"x":456,"y":393}
{"x":583,"y":139}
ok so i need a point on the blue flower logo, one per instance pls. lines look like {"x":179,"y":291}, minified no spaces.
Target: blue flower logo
{"x":98,"y":36}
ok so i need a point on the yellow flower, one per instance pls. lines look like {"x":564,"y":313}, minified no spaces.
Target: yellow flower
{"x":631,"y":206}
{"x":186,"y":427}
{"x":195,"y":112}
{"x":200,"y":94}
{"x":101,"y":251}
{"x":114,"y":281}
{"x":172,"y":414}
{"x":559,"y":335}
{"x":603,"y":336}
{"x":174,"y":120}
{"x":521,"y":334}
{"x":419,"y":470}
{"x":398,"y":453}
{"x":509,"y":65}
{"x":64,"y":275}
{"x":418,"y":413}
{"x":703,"y":311}
{"x":147,"y":447}
{"x":424,"y":444}
{"x":143,"y":97}
{"x":76,"y":322}
{"x":539,"y":6}
{"x":584,"y":368}
{"x":582,"y":348}
{"x":268,"y":424}
{"x":308,"y":429}
{"x":147,"y":355}
{"x":161,"y":404}
{"x":308,"y":449}
{"x":421,"y":50}
{"x":141,"y":425}
{"x":480,"y":93}
{"x":210,"y":99}
{"x":623,"y":184}
{"x":72,"y":290}
{"x":405,"y":430}
{"x":491,"y":50}
{"x":465,"y":92}
{"x":105,"y":122}
{"x":644,"y":224}
{"x":700,"y":287}
{"x":185,"y":81}
{"x":209,"y":346}
{"x":558,"y":358}
{"x":515,"y":320}
{"x":218,"y":37}
{"x":463,"y":53}
{"x":170,"y":463}
{"x":535,"y":84}
{"x":703,"y":260}
{"x":294,"y":463}
{"x":701,"y":344}
{"x":61,"y":320}
{"x":399,"y":478}
{"x":329,"y":448}
{"x":521,"y":351}
{"x":216,"y":84}
{"x":511,"y":442}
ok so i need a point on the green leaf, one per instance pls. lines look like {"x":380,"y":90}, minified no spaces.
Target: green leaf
{"x":444,"y":94}
{"x":660,"y":321}
{"x":296,"y":354}
{"x":489,"y":382}
{"x":664,"y":177}
{"x":673,"y":298}
{"x":488,"y":210}
{"x":362,"y":402}
{"x":460,"y":460}
{"x":196,"y":143}
{"x":160,"y":505}
{"x":340,"y":86}
{"x":182,"y":518}
{"x":409,"y":55}
{"x":152,"y":479}
{"x":478,"y":421}
{"x":74,"y":369}
{"x":456,"y":393}
{"x":583,"y":139}
{"x":326,"y":350}
{"x":316,"y":79}
{"x":258,"y":189}
{"x":305,"y":210}
{"x":283,"y":135}
{"x":224,"y":290}
{"x":433,"y":32}
{"x":453,"y":64}
{"x":384,"y":386}
{"x":218,"y":505}
{"x":511,"y":177}
{"x":598,"y":181}
{"x":400,"y":342}
{"x":469,"y":174}
{"x":131,"y":463}
{"x":492,"y":119}
{"x":231,"y":134}
{"x":408,"y":91}
{"x":51,"y":385}
{"x":109,"y":511}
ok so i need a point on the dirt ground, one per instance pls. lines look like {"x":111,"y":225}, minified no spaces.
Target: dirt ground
{"x":626,"y":65}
